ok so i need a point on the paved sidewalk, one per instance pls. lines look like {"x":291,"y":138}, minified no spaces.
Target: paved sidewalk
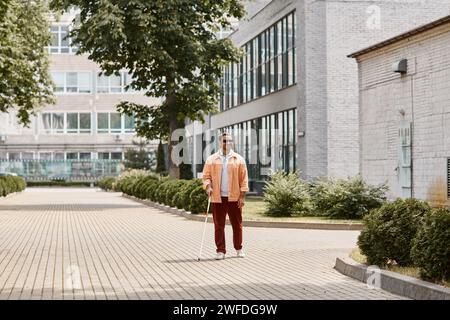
{"x":89,"y":244}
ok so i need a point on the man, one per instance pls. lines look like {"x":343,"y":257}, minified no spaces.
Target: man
{"x":225,"y":180}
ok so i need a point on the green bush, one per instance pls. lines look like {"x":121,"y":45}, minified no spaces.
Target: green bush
{"x":106,"y":183}
{"x":181,"y":199}
{"x":10,"y":184}
{"x":286,"y":194}
{"x":4,"y":187}
{"x":346,"y":198}
{"x":389,"y":231}
{"x":172,"y":189}
{"x":160,"y":192}
{"x":198,"y":200}
{"x":431,"y":246}
{"x":150,"y":189}
{"x":140,"y":191}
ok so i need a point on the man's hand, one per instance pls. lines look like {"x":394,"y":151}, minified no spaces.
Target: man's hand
{"x":209,"y":190}
{"x":241,"y":200}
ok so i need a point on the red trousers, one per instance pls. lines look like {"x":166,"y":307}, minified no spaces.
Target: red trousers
{"x":220,"y":211}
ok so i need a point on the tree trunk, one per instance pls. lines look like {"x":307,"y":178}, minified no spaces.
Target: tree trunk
{"x":174,"y":171}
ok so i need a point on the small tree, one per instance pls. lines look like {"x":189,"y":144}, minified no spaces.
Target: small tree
{"x":160,"y":159}
{"x":137,"y":158}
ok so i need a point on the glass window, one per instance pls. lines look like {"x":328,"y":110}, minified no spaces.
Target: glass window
{"x":116,"y":155}
{"x":58,"y":122}
{"x":85,"y":155}
{"x":268,"y":65}
{"x":127,"y":81}
{"x":103,"y":155}
{"x":59,"y":81}
{"x":58,"y":156}
{"x":71,"y":82}
{"x":45,"y":156}
{"x":128,"y":123}
{"x":27,"y":155}
{"x":84,"y":82}
{"x":289,"y":31}
{"x":115,"y":82}
{"x":72,"y":156}
{"x":47,"y":122}
{"x":72,"y":122}
{"x":85,"y":123}
{"x":102,"y":84}
{"x":290,"y":67}
{"x":115,"y":122}
{"x":64,"y":39}
{"x":102,"y":122}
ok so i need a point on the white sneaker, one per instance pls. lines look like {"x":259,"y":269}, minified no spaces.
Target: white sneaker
{"x":220,"y":256}
{"x":240,"y":253}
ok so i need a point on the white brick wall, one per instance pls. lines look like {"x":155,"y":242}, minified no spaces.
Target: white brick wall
{"x":424,"y":94}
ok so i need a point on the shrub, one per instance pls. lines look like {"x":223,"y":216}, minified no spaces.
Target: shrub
{"x":182,"y":198}
{"x":106,"y":183}
{"x":388,"y":231}
{"x":160,"y":192}
{"x":123,"y":182}
{"x":10,"y":184}
{"x":140,"y":190}
{"x":4,"y":188}
{"x":286,"y":194}
{"x":346,"y":198}
{"x":150,"y":189}
{"x":198,"y":200}
{"x":431,"y":246}
{"x":172,"y":189}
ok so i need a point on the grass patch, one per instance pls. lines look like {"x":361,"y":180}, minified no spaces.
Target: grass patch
{"x":255,"y":207}
{"x":356,"y":255}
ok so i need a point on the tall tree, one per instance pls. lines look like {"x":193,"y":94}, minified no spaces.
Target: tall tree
{"x":170,"y":49}
{"x":25,"y":83}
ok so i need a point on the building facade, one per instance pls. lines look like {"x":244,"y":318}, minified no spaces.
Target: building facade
{"x":84,"y":123}
{"x":296,"y":82}
{"x":405,"y":112}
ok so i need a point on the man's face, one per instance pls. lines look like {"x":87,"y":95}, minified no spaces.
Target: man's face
{"x":226,"y":143}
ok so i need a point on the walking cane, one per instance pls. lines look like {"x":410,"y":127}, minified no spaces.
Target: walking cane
{"x":204,"y":229}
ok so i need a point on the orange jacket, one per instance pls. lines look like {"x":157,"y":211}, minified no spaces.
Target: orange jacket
{"x":237,"y":176}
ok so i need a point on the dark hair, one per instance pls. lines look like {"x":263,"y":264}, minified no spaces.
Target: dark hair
{"x":223,"y":134}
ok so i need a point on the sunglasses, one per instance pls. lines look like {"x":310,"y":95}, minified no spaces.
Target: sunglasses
{"x":227,"y":141}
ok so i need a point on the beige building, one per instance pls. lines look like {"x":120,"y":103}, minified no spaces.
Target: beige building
{"x":84,"y":123}
{"x":404,"y":85}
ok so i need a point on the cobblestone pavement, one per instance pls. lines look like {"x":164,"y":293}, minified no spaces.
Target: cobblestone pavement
{"x":90,"y":244}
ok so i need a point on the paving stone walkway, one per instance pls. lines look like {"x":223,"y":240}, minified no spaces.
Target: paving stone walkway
{"x":88,"y":244}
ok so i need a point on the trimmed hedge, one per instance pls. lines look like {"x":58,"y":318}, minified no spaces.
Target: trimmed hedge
{"x":10,"y":184}
{"x":389,"y":231}
{"x":183,"y":194}
{"x":106,"y":183}
{"x":431,"y":246}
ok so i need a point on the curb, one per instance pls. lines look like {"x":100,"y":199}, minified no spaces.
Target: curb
{"x":12,"y":194}
{"x":248,"y":223}
{"x":394,"y":282}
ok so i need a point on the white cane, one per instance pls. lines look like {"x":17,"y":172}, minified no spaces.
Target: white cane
{"x":204,"y":229}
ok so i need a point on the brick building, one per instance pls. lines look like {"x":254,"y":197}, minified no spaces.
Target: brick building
{"x":405,"y":112}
